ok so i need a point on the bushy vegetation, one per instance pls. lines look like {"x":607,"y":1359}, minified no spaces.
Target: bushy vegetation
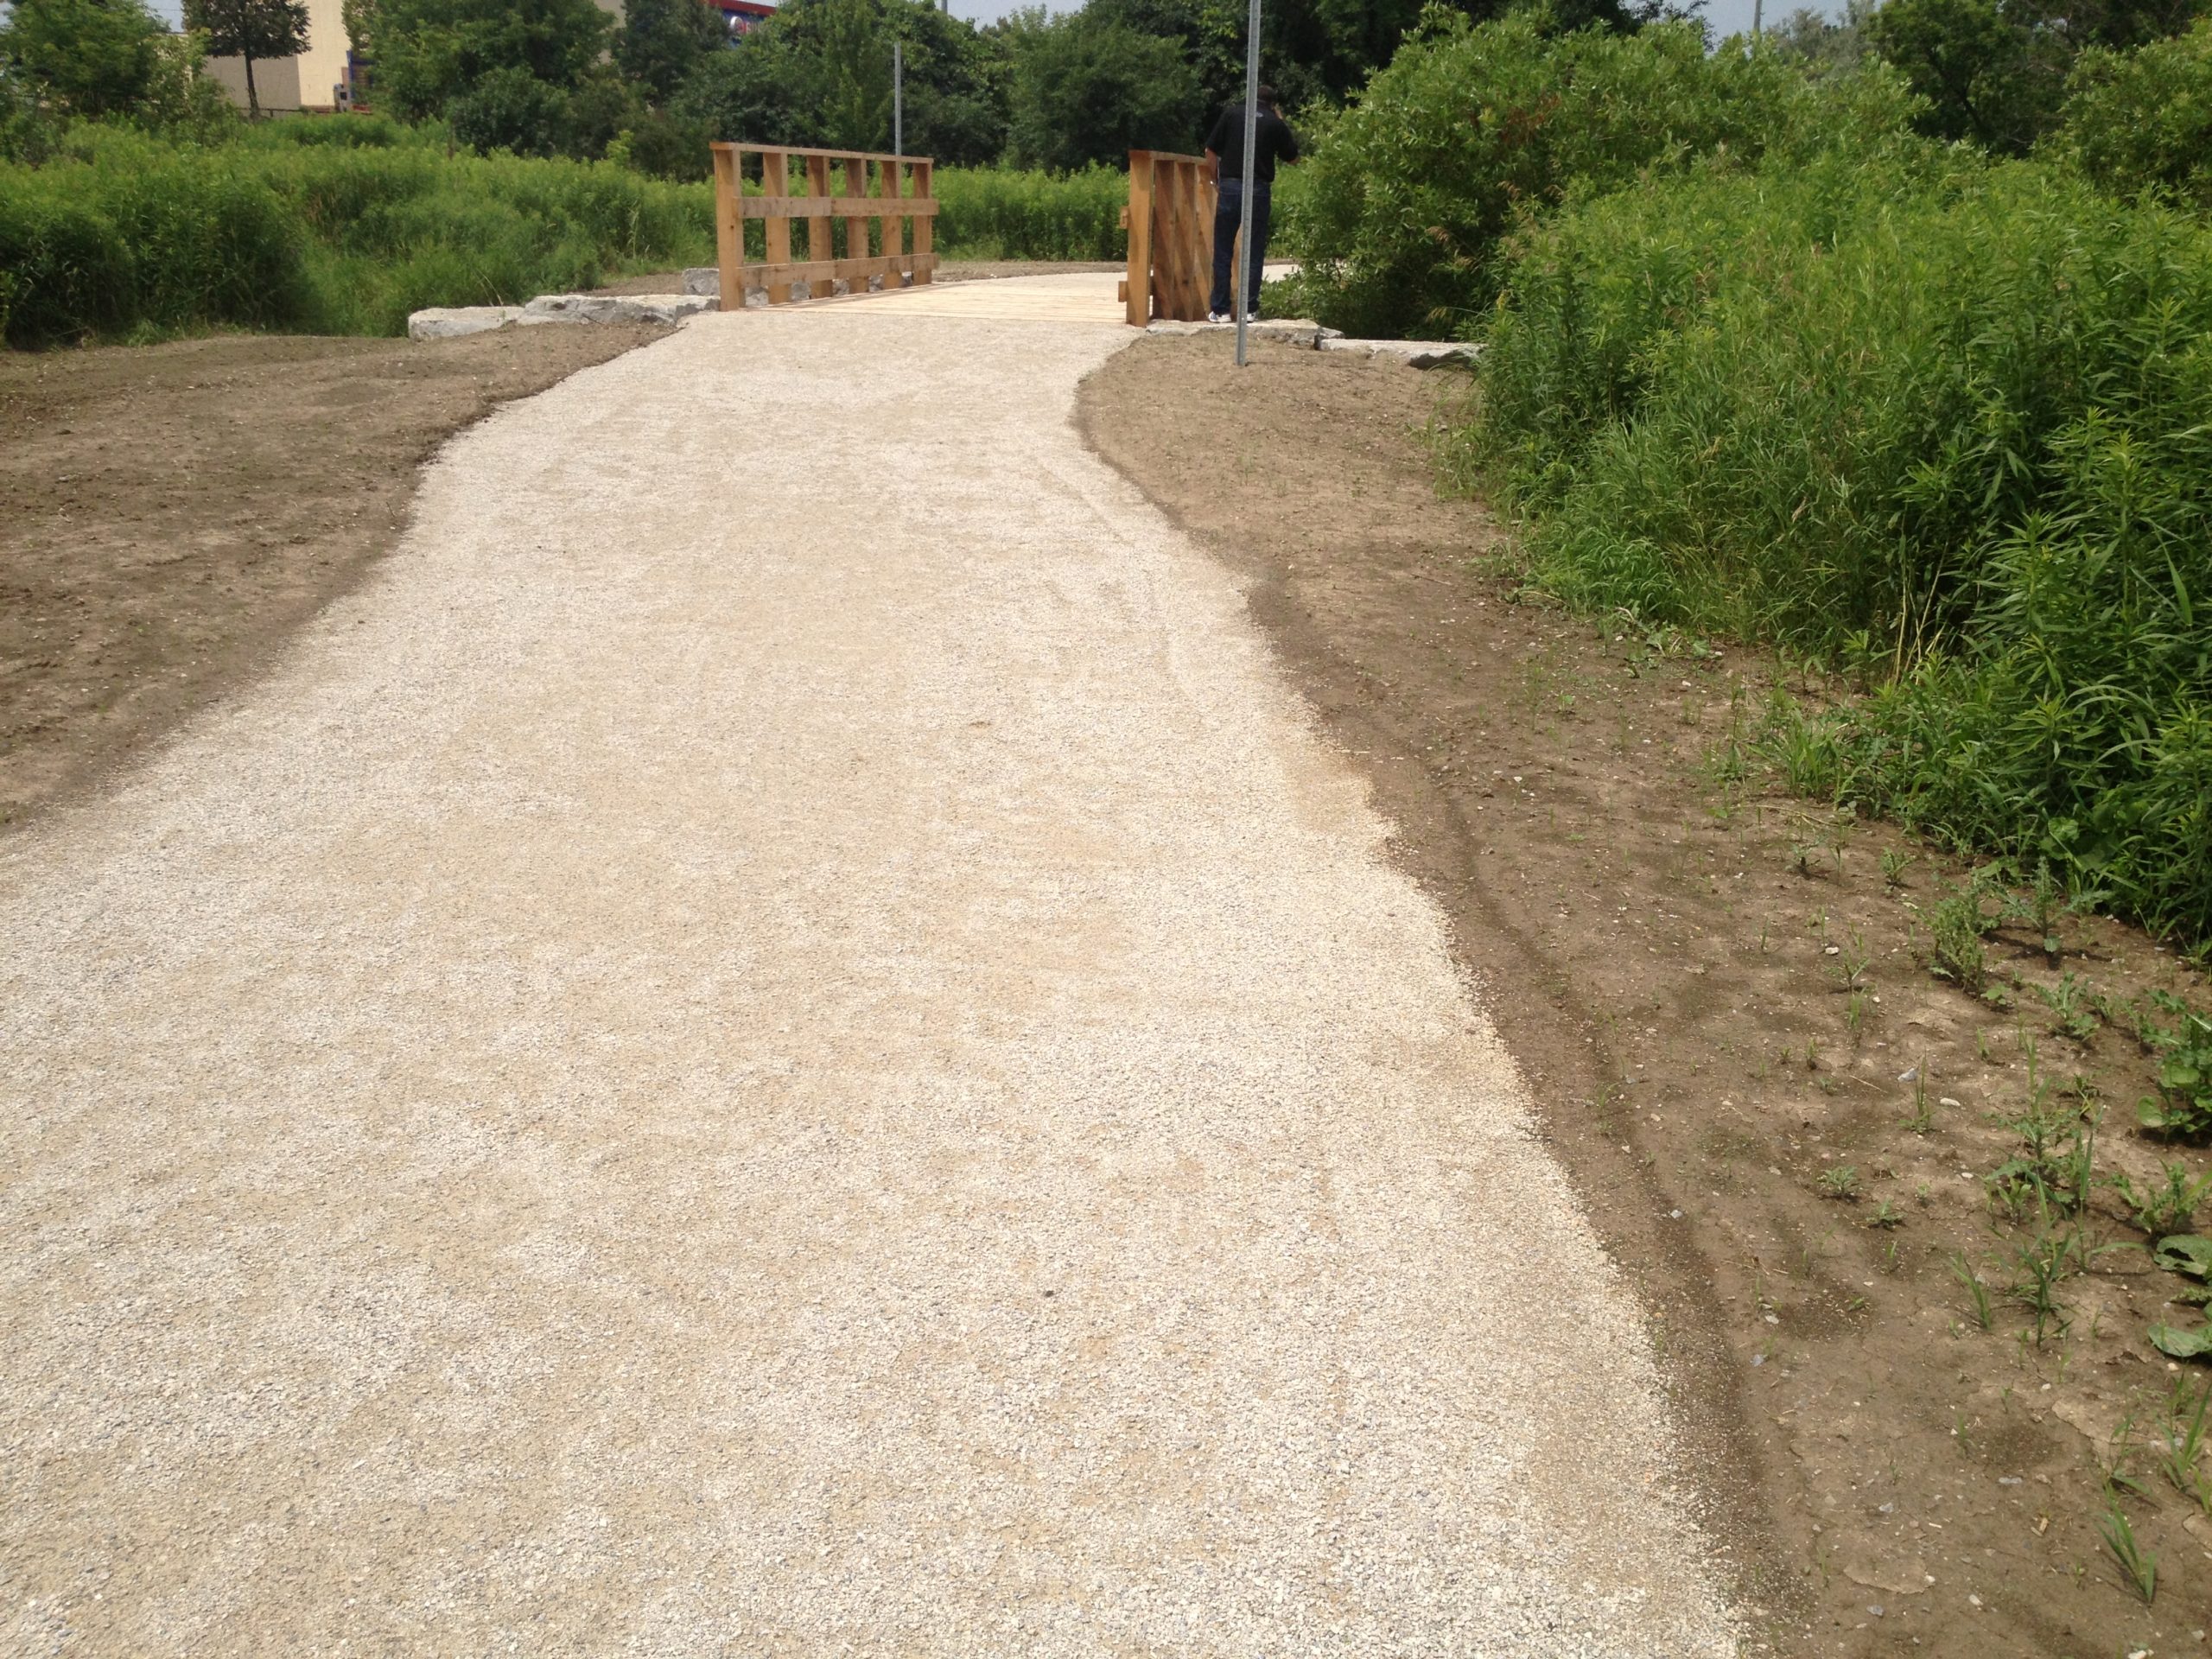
{"x":1469,"y":127}
{"x":1778,"y":366}
{"x":1009,"y":213}
{"x":2136,"y":122}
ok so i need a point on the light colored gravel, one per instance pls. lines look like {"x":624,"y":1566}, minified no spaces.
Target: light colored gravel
{"x":780,"y":1040}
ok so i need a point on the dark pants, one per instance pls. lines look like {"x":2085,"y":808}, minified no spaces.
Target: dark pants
{"x":1228,"y":210}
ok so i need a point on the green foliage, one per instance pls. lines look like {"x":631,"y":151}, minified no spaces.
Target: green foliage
{"x":818,"y":72}
{"x":2183,"y":1107}
{"x":2167,"y":1206}
{"x":1414,"y":187}
{"x":1965,"y":413}
{"x":153,"y":237}
{"x":83,"y":57}
{"x":1991,"y":72}
{"x":2142,"y":121}
{"x":663,"y":41}
{"x":1007,"y":213}
{"x":432,"y":55}
{"x":1994,"y":71}
{"x":1087,"y":90}
{"x":124,"y":231}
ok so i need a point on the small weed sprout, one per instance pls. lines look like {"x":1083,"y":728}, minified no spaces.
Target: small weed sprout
{"x":1923,"y":1116}
{"x":1840,"y":1183}
{"x":2181,"y":1458}
{"x":2166,"y":1208}
{"x":1886,"y":1216}
{"x":2140,"y":1566}
{"x":1895,"y":864}
{"x":2075,"y":1006}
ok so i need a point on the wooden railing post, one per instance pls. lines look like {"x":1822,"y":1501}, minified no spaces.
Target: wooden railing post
{"x":729,"y":227}
{"x":1138,"y":311}
{"x":855,"y":228}
{"x":775,"y":184}
{"x":925,"y":226}
{"x":818,"y":225}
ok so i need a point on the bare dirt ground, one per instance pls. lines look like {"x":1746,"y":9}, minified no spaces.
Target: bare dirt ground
{"x":168,"y":514}
{"x":1719,"y":994}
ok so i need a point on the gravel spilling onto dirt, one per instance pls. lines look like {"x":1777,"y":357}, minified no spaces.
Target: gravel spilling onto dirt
{"x":780,"y":1038}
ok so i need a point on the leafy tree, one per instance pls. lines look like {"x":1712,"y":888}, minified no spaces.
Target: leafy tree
{"x":2141,"y":121}
{"x":430,"y":55}
{"x":1995,"y":70}
{"x":819,"y":72}
{"x":509,"y":108}
{"x":83,"y":57}
{"x":661,"y":42}
{"x":1825,"y":46}
{"x":1991,"y":71}
{"x":1089,"y":89}
{"x":248,"y":29}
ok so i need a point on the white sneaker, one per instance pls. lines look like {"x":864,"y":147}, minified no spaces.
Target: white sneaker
{"x":1218,"y":316}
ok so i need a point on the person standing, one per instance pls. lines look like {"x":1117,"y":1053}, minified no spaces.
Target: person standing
{"x":1272,"y":141}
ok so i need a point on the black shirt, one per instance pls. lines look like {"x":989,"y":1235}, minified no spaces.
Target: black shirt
{"x":1272,"y":138}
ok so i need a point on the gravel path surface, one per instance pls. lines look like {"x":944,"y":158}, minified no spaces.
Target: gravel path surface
{"x":781,"y":1040}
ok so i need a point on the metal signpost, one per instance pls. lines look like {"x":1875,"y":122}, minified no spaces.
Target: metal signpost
{"x":898,"y":97}
{"x":1251,"y":169}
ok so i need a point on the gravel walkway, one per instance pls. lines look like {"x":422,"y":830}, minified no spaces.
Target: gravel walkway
{"x":780,"y":1041}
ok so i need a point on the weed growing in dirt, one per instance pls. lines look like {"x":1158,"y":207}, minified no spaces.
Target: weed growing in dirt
{"x":2181,"y":1458}
{"x":2140,"y":1566}
{"x":2166,"y":1208}
{"x":2183,"y":1107}
{"x":1840,"y":1183}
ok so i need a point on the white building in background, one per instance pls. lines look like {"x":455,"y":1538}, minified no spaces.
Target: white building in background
{"x":321,"y":78}
{"x":328,"y":76}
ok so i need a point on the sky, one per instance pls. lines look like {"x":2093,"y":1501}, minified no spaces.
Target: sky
{"x":1726,"y":16}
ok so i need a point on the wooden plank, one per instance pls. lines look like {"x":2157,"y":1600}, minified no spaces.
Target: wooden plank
{"x":1137,"y":309}
{"x":835,"y":155}
{"x":836,"y":206}
{"x":889,"y":202}
{"x":818,"y":225}
{"x":855,"y":224}
{"x":925,"y":224}
{"x":729,"y":231}
{"x":808,"y":271}
{"x":775,"y":181}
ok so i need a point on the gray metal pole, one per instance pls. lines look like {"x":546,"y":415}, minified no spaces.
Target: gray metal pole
{"x":898,"y":99}
{"x":1251,"y":172}
{"x":1758,"y":8}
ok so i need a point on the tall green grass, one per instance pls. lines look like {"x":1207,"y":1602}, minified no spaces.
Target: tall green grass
{"x":1948,"y":424}
{"x":988,"y":213}
{"x":344,"y":226}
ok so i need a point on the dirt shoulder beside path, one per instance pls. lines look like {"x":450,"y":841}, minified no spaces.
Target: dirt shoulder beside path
{"x":168,"y":514}
{"x":1781,"y":1124}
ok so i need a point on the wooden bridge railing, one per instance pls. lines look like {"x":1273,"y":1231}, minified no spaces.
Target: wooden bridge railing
{"x":798,"y":185}
{"x":1170,"y":220}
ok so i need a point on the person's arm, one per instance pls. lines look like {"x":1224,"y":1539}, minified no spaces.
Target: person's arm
{"x":1214,"y":141}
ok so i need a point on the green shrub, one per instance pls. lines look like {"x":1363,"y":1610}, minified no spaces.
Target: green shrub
{"x":285,"y":230}
{"x":2142,"y":120}
{"x":1412,"y":189}
{"x":989,"y":212}
{"x":1953,"y":421}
